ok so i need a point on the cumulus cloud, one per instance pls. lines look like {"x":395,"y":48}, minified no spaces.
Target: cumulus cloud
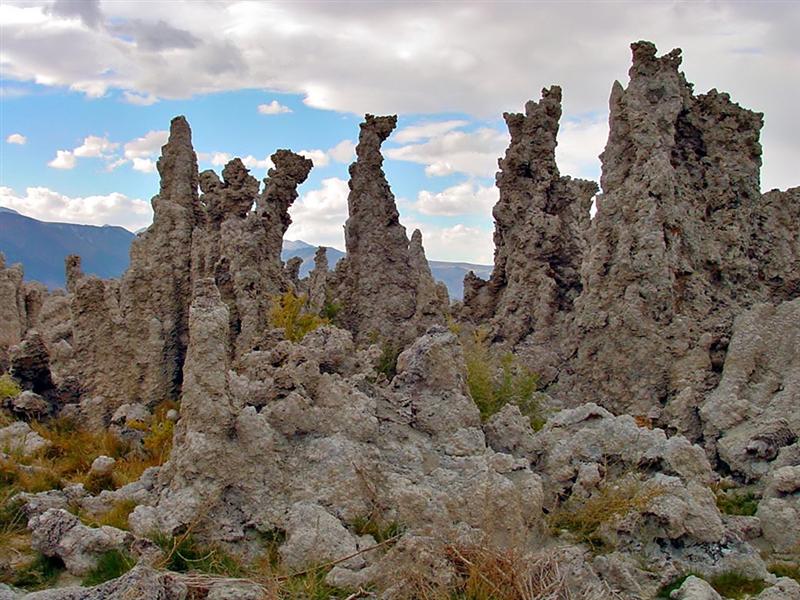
{"x":147,"y":145}
{"x":64,"y":160}
{"x":111,"y":209}
{"x":139,"y":99}
{"x":319,"y":157}
{"x":456,"y":243}
{"x":273,"y":108}
{"x":318,"y":216}
{"x":95,"y":147}
{"x":473,"y":153}
{"x":143,"y":165}
{"x":423,"y":131}
{"x":17,"y":138}
{"x":461,"y":199}
{"x":433,"y":59}
{"x":343,"y":152}
{"x":155,"y":36}
{"x":580,"y":142}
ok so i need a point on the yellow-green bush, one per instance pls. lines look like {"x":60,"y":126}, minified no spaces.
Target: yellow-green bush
{"x":8,"y":387}
{"x":288,"y":313}
{"x":495,"y":380}
{"x":611,"y":501}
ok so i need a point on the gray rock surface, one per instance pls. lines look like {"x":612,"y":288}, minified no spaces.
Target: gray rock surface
{"x":695,"y":588}
{"x":779,"y":510}
{"x":753,"y":413}
{"x":380,"y":284}
{"x":59,"y":533}
{"x":540,"y":223}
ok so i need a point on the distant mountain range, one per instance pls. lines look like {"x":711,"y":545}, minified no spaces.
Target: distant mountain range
{"x":42,"y":247}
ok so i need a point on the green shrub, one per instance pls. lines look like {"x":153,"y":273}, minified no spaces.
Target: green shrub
{"x":744,"y":503}
{"x":184,"y":554}
{"x":288,"y":313}
{"x":8,"y":387}
{"x":729,"y":585}
{"x":42,"y":572}
{"x":387,"y":363}
{"x":786,"y":570}
{"x":377,"y":528}
{"x":610,"y":502}
{"x":110,"y":565}
{"x":330,"y":310}
{"x":495,"y":381}
{"x":311,"y":585}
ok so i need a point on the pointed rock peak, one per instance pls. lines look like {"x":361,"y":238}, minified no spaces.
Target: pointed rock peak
{"x":73,"y":271}
{"x":178,"y":165}
{"x":321,"y":258}
{"x":646,"y":63}
{"x":416,"y":238}
{"x":235,"y":174}
{"x":2,"y":261}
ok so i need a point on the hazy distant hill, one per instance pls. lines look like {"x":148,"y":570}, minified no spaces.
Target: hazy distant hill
{"x":450,"y":273}
{"x":41,"y":247}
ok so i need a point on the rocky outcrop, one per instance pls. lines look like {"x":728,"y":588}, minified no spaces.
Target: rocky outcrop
{"x":240,"y":247}
{"x":779,"y":510}
{"x":751,"y":418}
{"x":670,"y":259}
{"x":317,"y":284}
{"x":156,"y":289}
{"x":298,"y":430}
{"x":541,"y":220}
{"x":378,"y":284}
{"x":13,"y":317}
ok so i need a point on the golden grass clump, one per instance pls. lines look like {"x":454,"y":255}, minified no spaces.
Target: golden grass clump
{"x":611,"y":502}
{"x":288,"y":313}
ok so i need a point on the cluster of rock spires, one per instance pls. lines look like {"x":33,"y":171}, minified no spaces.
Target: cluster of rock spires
{"x":677,"y":306}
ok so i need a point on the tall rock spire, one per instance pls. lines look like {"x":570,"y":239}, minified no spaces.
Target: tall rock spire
{"x":377,"y":281}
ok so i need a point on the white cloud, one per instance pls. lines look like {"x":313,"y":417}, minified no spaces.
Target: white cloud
{"x":580,"y":142}
{"x":251,"y":162}
{"x":273,"y":108}
{"x":473,"y":153}
{"x":424,"y":131}
{"x":64,"y":160}
{"x":110,"y":209}
{"x":95,"y":147}
{"x":318,"y":216}
{"x":343,"y":152}
{"x":319,"y":157}
{"x":147,"y":145}
{"x":17,"y":138}
{"x":461,"y":199}
{"x":459,"y":243}
{"x":139,"y":99}
{"x":144,"y":165}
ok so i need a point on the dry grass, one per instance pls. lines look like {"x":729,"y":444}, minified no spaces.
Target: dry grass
{"x":611,"y":502}
{"x":288,"y":313}
{"x":495,"y":380}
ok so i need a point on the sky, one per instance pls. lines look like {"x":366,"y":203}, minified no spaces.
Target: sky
{"x":87,"y":90}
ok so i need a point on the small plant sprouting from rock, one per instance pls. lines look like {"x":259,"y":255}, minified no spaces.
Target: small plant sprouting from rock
{"x":110,"y":565}
{"x":496,"y":380}
{"x":743,"y":503}
{"x":40,"y":573}
{"x":729,"y":585}
{"x":8,"y":388}
{"x":288,"y":313}
{"x":610,"y":502}
{"x":380,"y":530}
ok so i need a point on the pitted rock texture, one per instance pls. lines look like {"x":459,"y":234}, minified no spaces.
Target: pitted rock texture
{"x":300,"y":430}
{"x":156,"y":289}
{"x":752,"y":417}
{"x":316,"y":287}
{"x":671,"y":253}
{"x":541,"y":220}
{"x":240,"y":248}
{"x":379,"y":284}
{"x":13,"y":316}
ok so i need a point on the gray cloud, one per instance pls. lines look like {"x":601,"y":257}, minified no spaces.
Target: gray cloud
{"x":87,"y":11}
{"x":155,"y":36}
{"x":387,"y":57}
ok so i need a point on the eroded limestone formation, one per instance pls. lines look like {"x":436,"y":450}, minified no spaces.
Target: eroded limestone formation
{"x":378,"y":281}
{"x":541,"y":220}
{"x":13,"y":318}
{"x":672,"y":248}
